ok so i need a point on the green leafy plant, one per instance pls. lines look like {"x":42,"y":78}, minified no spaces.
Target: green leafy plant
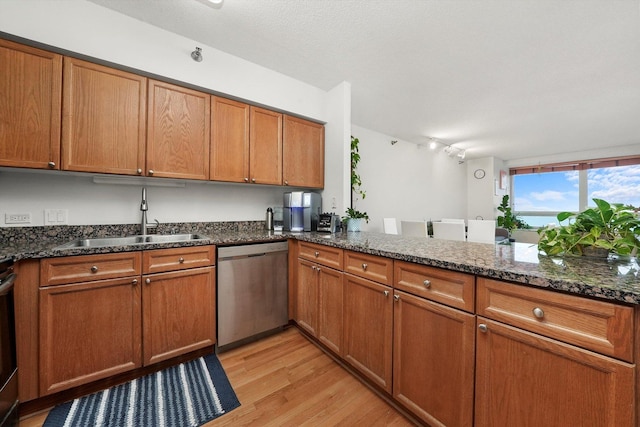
{"x":356,"y":183}
{"x":509,"y":219}
{"x":354,"y":214}
{"x":609,"y":227}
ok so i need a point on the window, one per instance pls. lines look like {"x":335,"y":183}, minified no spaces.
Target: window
{"x":539,"y":193}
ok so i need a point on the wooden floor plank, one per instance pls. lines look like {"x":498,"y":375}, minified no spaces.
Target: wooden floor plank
{"x":285,"y":380}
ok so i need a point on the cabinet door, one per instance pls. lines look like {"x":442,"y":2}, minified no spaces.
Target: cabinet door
{"x":307,"y":297}
{"x":303,"y":153}
{"x":524,"y":379}
{"x":265,"y":146}
{"x":88,"y":331}
{"x":103,"y":119}
{"x":330,"y":325}
{"x":229,"y":140}
{"x":178,"y":313}
{"x":368,"y":319}
{"x":433,"y":360}
{"x":31,"y":94}
{"x":178,"y":142}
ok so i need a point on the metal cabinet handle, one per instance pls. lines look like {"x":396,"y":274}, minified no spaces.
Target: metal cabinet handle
{"x":483,"y":327}
{"x":538,"y":312}
{"x":427,"y":283}
{"x":52,"y":164}
{"x":318,"y":268}
{"x":364,"y":266}
{"x":94,"y":268}
{"x":253,"y":180}
{"x":139,"y":171}
{"x":313,"y":267}
{"x":396,"y":297}
{"x":147,"y":281}
{"x":386,"y":293}
{"x":286,"y":182}
{"x":181,"y":260}
{"x":134,"y":282}
{"x":317,"y":254}
{"x":150,"y":171}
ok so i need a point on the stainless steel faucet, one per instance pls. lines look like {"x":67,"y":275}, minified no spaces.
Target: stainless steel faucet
{"x":144,"y":226}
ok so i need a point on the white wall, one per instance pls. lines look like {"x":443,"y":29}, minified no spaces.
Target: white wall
{"x":407,"y":181}
{"x":89,"y":203}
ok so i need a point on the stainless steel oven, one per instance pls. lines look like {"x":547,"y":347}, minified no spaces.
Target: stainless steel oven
{"x":8,"y":365}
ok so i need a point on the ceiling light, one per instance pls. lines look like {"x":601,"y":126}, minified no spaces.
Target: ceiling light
{"x":196,"y":55}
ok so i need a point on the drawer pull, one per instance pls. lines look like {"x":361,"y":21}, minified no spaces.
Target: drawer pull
{"x":147,"y":281}
{"x":94,"y":268}
{"x":386,"y":293}
{"x":427,"y":283}
{"x":181,"y":260}
{"x":317,"y":254}
{"x":483,"y":327}
{"x":538,"y":312}
{"x":396,"y":297}
{"x":139,"y":171}
{"x":134,"y":282}
{"x":246,"y":180}
{"x":364,"y":266}
{"x":52,"y":164}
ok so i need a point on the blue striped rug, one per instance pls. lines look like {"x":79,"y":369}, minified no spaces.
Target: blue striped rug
{"x":189,"y":394}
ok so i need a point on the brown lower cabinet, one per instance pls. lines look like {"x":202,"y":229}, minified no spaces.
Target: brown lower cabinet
{"x":177,"y":313}
{"x":433,"y":360}
{"x":525,"y":379}
{"x":88,"y":331}
{"x":460,"y":350}
{"x":368,"y":323}
{"x":139,"y":309}
{"x":319,"y":303}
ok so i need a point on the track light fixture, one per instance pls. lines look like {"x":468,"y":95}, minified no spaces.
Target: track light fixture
{"x":196,"y":55}
{"x":449,"y":150}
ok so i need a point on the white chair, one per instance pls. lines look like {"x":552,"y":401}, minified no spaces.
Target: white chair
{"x":481,"y":231}
{"x":448,"y":230}
{"x":390,"y":226}
{"x":452,"y":220}
{"x":414,"y":228}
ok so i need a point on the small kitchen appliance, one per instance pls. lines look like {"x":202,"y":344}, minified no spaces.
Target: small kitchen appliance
{"x":329,"y":223}
{"x":301,"y":211}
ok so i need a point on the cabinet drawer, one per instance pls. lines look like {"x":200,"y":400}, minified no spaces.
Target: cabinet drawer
{"x":447,"y":287}
{"x":600,"y":326}
{"x":161,"y":260}
{"x":325,"y":255}
{"x":370,"y":267}
{"x":85,"y":268}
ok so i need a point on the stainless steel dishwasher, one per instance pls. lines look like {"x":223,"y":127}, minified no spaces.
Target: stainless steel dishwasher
{"x":252,"y":291}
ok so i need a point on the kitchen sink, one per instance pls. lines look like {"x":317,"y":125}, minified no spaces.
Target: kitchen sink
{"x":130,"y":240}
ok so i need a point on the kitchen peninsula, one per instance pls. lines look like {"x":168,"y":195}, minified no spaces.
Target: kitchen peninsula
{"x":471,"y":319}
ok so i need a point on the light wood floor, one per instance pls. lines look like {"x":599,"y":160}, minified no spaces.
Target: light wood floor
{"x":285,"y":380}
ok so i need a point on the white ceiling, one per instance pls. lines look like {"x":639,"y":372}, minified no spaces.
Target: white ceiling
{"x":504,"y":78}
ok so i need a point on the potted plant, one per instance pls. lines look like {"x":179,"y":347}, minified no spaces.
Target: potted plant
{"x":509,"y":219}
{"x":606,"y":228}
{"x":354,"y":217}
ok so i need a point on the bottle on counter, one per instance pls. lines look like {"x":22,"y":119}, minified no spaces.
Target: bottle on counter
{"x":268,"y":225}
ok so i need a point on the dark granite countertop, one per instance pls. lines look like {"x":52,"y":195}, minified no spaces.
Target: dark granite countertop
{"x":613,"y":279}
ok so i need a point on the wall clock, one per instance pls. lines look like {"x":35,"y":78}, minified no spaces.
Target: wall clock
{"x":479,"y":173}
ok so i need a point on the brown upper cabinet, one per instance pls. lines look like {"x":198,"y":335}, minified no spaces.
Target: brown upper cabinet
{"x":60,"y":112}
{"x":103,"y":119}
{"x":31,"y":91}
{"x":265,"y":146}
{"x":303,"y":153}
{"x":178,"y":132}
{"x":229,"y":140}
{"x":246,"y":143}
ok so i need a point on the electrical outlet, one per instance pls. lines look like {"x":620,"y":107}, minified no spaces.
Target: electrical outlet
{"x":55,"y":216}
{"x":17,"y":218}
